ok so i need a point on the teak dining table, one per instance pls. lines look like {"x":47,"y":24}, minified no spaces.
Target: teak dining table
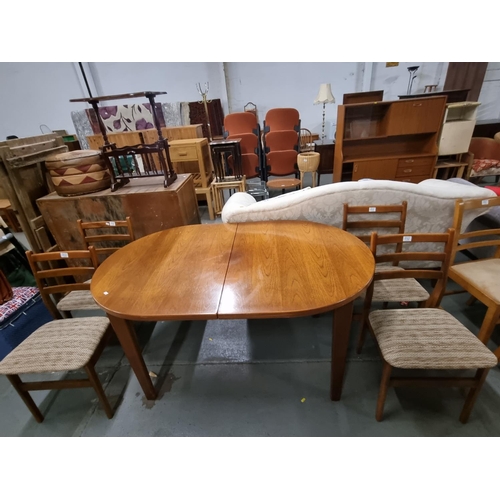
{"x":276,"y":269}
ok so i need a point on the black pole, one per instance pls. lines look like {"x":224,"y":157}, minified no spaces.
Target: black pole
{"x":85,"y":78}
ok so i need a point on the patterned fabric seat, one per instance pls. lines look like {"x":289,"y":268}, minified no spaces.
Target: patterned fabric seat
{"x":428,"y":339}
{"x":78,"y":300}
{"x":397,"y":290}
{"x":61,"y":345}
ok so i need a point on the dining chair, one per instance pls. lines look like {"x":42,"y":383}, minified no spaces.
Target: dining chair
{"x":62,"y":344}
{"x":425,"y":338}
{"x":478,"y":277}
{"x":69,"y":296}
{"x":102,"y":232}
{"x":382,"y":218}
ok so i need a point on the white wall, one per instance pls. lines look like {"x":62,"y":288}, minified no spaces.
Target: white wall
{"x":394,"y":80}
{"x":32,"y":94}
{"x":490,"y":94}
{"x":178,"y":79}
{"x":275,"y":85}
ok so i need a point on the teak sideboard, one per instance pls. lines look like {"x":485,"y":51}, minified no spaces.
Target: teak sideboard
{"x":394,"y":140}
{"x":150,"y":205}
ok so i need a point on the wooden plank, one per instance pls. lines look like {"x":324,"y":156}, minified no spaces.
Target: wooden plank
{"x":29,"y":159}
{"x":23,"y":150}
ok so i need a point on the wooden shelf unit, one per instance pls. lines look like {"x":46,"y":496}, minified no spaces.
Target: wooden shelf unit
{"x":395,"y":140}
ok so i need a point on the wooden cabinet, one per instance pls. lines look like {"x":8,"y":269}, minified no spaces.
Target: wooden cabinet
{"x":151,"y":207}
{"x":388,"y":139}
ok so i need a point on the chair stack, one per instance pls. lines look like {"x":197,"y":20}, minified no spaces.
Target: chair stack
{"x":244,"y":126}
{"x":281,"y":141}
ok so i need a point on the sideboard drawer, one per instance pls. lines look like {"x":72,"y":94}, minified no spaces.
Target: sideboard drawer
{"x":182,"y":153}
{"x":417,"y":162}
{"x":411,"y":170}
{"x":415,"y":179}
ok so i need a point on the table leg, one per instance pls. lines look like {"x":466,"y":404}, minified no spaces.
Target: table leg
{"x":126,"y":335}
{"x":342,"y":319}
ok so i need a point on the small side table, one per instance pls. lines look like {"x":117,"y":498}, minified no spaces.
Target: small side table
{"x":223,"y":147}
{"x":218,"y":190}
{"x":326,"y":149}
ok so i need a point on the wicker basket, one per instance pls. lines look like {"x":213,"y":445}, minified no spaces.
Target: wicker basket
{"x":308,"y":162}
{"x":78,"y":172}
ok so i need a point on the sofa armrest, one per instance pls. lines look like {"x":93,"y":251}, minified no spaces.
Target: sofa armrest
{"x":235,"y":202}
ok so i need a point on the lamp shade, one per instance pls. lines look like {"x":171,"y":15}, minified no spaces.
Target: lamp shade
{"x":325,"y":95}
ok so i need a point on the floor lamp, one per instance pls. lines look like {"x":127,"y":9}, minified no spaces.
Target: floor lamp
{"x":324,"y":96}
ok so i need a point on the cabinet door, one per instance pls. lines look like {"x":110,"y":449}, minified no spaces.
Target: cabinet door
{"x":455,"y":137}
{"x":415,"y":116}
{"x":375,"y":169}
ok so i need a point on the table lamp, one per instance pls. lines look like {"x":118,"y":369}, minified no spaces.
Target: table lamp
{"x":324,"y":96}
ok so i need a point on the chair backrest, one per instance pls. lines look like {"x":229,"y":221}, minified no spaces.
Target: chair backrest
{"x":281,"y":162}
{"x":484,"y":148}
{"x":249,"y":143}
{"x":284,"y":140}
{"x":105,"y":231}
{"x":241,"y":123}
{"x":306,"y":140}
{"x":461,"y":207}
{"x":374,"y":217}
{"x":59,"y":273}
{"x":282,"y":119}
{"x":440,"y":259}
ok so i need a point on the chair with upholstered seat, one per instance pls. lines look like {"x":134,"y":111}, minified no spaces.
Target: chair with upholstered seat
{"x":60,"y":345}
{"x":426,"y":338}
{"x":480,"y":278}
{"x":98,"y":232}
{"x":75,"y":294}
{"x":361,"y":221}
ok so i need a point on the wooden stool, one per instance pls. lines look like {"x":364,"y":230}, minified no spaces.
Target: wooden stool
{"x":283,"y":184}
{"x":9,"y":216}
{"x":430,"y":88}
{"x":228,"y":183}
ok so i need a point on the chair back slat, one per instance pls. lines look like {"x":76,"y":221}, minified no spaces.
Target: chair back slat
{"x":46,"y":277}
{"x":442,"y":260}
{"x":462,"y":206}
{"x":109,"y":235}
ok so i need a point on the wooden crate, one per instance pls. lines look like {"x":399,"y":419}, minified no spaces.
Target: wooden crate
{"x":24,"y":179}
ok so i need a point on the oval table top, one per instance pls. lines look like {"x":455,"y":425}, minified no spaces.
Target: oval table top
{"x":226,"y":271}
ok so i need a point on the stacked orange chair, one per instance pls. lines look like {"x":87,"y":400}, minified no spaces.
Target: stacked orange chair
{"x":281,"y":141}
{"x":244,"y":126}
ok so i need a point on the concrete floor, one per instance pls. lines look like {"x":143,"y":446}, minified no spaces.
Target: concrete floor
{"x":250,"y":378}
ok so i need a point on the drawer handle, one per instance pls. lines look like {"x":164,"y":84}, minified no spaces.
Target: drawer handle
{"x":182,"y":154}
{"x":408,"y":170}
{"x":417,"y":104}
{"x":405,"y":180}
{"x":409,"y":161}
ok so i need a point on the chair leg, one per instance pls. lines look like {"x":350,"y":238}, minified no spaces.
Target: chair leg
{"x":96,"y":384}
{"x":471,"y":300}
{"x":384,"y":385}
{"x":497,"y":353}
{"x":473,"y":394}
{"x":362,"y":337}
{"x":489,"y":323}
{"x":28,"y":401}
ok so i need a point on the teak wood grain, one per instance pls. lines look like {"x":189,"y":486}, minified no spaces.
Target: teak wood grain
{"x":253,"y":270}
{"x":175,"y":274}
{"x":292,"y":269}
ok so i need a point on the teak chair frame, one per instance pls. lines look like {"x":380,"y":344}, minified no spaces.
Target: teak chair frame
{"x":23,"y":388}
{"x":492,"y":317}
{"x":440,"y":275}
{"x":89,"y":240}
